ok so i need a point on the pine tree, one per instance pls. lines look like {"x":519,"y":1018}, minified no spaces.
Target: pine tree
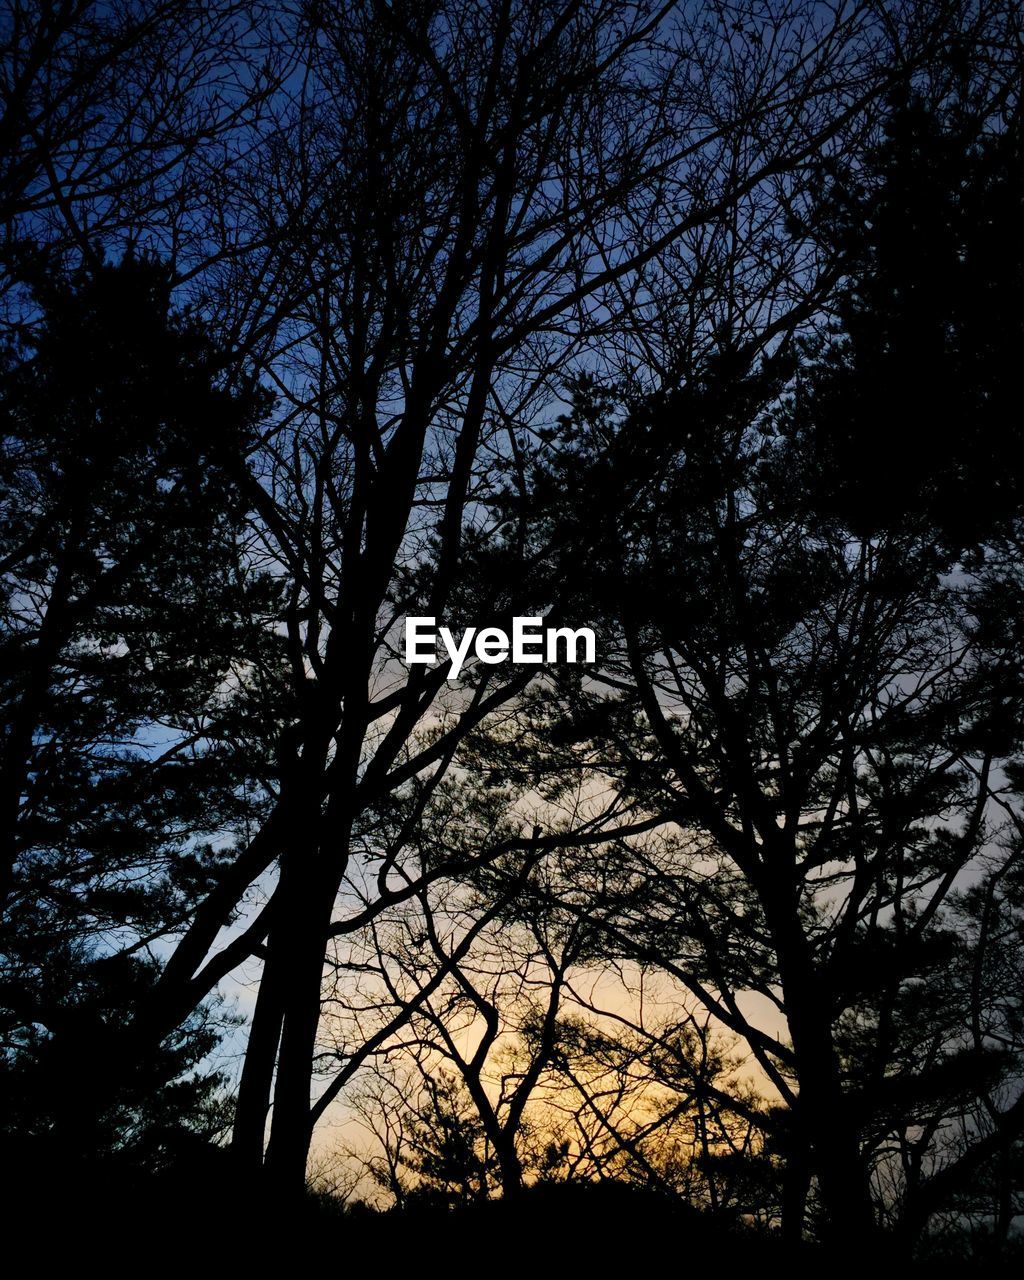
{"x":137,"y":665}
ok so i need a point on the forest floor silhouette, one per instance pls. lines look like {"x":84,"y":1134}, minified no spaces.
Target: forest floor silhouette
{"x":98,"y":1209}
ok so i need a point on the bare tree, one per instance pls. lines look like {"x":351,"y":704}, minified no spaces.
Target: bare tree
{"x":481,"y":188}
{"x":116,"y":120}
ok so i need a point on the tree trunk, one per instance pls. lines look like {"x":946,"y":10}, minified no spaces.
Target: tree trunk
{"x":843,"y":1185}
{"x":510,"y":1167}
{"x":796,"y":1183}
{"x":823,"y":1113}
{"x":254,"y":1089}
{"x":300,"y":949}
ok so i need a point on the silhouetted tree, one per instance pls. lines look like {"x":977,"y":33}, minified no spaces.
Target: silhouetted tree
{"x":917,"y":369}
{"x":446,"y":1146}
{"x":134,"y":654}
{"x":826,"y":715}
{"x":461,"y":200}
